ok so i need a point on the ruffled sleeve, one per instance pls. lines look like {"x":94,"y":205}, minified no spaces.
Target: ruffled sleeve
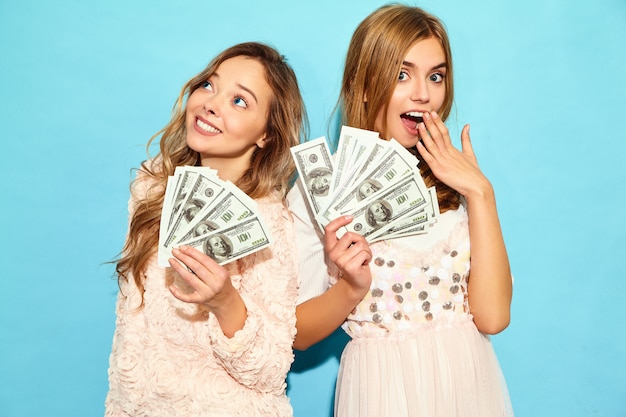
{"x":260,"y":355}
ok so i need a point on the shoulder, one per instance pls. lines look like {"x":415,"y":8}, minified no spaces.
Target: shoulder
{"x":145,"y":178}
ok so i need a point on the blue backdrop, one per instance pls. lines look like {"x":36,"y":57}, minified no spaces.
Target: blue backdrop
{"x":84,"y":84}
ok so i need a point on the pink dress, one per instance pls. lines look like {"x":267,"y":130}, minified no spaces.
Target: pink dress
{"x":415,"y":350}
{"x":172,"y":359}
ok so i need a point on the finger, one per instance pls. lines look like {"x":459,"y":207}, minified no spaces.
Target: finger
{"x":437,"y":128}
{"x":183,"y":296}
{"x":425,"y":154}
{"x":186,"y":274}
{"x":343,"y":255}
{"x":198,"y":261}
{"x":466,"y":143}
{"x":358,"y":262}
{"x":330,"y":231}
{"x":354,"y":265}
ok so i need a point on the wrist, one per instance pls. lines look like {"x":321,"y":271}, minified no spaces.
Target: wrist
{"x":352,"y":293}
{"x":482,"y":192}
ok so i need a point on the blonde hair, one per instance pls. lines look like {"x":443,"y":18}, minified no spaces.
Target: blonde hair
{"x":375,"y":55}
{"x":271,"y":167}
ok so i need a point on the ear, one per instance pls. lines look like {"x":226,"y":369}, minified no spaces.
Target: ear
{"x":261,"y":142}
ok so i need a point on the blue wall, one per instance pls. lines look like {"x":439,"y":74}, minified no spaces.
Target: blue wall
{"x":84,"y":84}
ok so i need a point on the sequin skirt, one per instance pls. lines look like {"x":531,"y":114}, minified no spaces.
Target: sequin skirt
{"x":447,"y":370}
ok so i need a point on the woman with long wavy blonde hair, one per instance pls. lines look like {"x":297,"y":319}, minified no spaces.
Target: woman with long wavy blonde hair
{"x":197,"y":338}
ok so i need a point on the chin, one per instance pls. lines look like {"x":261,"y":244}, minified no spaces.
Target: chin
{"x":408,"y":143}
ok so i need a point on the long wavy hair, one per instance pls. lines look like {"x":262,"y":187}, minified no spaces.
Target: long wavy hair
{"x":271,"y":167}
{"x":374,"y":59}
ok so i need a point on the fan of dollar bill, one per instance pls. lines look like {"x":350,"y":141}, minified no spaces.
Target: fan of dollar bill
{"x":214,"y":216}
{"x":377,"y":182}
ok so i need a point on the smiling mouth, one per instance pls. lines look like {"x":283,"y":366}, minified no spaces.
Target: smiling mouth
{"x":206,"y":127}
{"x":412,"y":118}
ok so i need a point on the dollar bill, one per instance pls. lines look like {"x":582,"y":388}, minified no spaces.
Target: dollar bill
{"x":233,"y":242}
{"x":204,"y":190}
{"x":231,"y":207}
{"x":415,"y":224}
{"x":184,"y":179}
{"x":166,"y":211}
{"x":396,"y":164}
{"x":352,"y":144}
{"x":378,"y":214}
{"x":315,"y":168}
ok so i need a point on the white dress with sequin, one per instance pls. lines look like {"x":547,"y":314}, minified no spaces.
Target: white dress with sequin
{"x":415,"y":350}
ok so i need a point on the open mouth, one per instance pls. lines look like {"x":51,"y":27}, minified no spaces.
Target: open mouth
{"x":412,"y":118}
{"x":206,"y":127}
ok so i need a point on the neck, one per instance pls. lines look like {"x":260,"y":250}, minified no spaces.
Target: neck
{"x":227,"y":170}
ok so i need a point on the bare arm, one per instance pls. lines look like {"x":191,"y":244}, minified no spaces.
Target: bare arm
{"x":317,"y":318}
{"x":490,"y":286}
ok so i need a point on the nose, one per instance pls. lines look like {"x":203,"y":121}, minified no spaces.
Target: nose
{"x":211,"y":104}
{"x":419,"y":92}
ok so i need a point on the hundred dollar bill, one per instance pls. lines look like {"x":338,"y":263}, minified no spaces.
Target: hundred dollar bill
{"x":232,"y":206}
{"x":233,"y":242}
{"x":315,"y":167}
{"x":380,"y":213}
{"x":183,"y":180}
{"x":417,"y":223}
{"x":413,"y":224}
{"x":379,"y":149}
{"x":166,"y":211}
{"x":204,"y":191}
{"x":352,"y":144}
{"x":396,"y":164}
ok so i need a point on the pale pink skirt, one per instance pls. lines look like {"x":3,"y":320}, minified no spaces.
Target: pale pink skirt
{"x":446,"y":370}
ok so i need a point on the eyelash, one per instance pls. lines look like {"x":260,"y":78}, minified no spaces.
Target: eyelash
{"x":438,"y":74}
{"x":442,"y":76}
{"x":208,"y":86}
{"x":242,"y":99}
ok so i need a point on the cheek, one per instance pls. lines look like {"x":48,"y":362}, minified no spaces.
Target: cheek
{"x":378,"y":122}
{"x":440,"y":99}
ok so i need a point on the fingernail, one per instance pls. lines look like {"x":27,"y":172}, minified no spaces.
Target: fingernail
{"x":427,"y":116}
{"x":434,"y":115}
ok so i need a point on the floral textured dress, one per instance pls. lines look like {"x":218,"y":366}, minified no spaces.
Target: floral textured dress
{"x":172,"y":359}
{"x":415,"y":350}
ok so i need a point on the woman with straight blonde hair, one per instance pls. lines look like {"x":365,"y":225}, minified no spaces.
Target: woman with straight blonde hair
{"x":418,"y":308}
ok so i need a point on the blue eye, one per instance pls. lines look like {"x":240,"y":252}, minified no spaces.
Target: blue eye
{"x":240,"y":101}
{"x":403,"y":76}
{"x":437,"y":77}
{"x":207,"y":85}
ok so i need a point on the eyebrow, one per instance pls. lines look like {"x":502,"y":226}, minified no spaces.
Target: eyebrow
{"x":243,"y":87}
{"x":412,"y":65}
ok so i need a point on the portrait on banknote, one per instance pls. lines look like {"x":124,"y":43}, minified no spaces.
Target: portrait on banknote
{"x":204,"y":227}
{"x":218,"y":247}
{"x":367,"y":188}
{"x":192,"y":208}
{"x":378,"y":214}
{"x":318,"y":181}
